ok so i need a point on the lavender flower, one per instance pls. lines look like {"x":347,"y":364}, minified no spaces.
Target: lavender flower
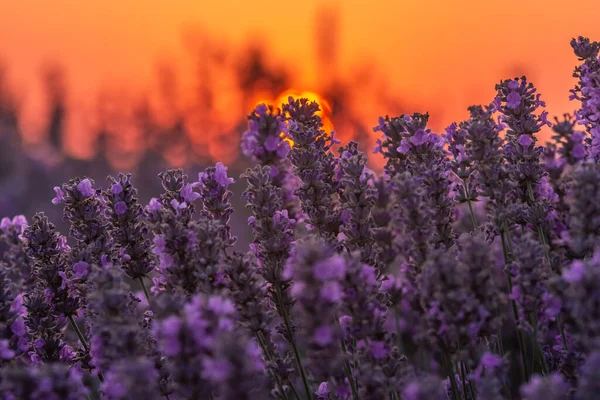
{"x":189,"y":251}
{"x":47,"y":248}
{"x":517,"y":101}
{"x":272,"y":228}
{"x":188,"y":339}
{"x":357,"y":199}
{"x":587,"y":90}
{"x":215,"y":196}
{"x":383,"y":232}
{"x":589,"y":384}
{"x":314,"y":164}
{"x":570,"y":142}
{"x":421,"y":153}
{"x":584,"y":223}
{"x":53,"y":381}
{"x":425,"y":388}
{"x":235,"y":368}
{"x":530,"y":273}
{"x":133,"y":378}
{"x":12,"y":252}
{"x":178,"y":195}
{"x":114,"y":318}
{"x":412,"y":216}
{"x":318,"y":274}
{"x":578,"y":294}
{"x":85,"y":210}
{"x":129,"y":230}
{"x":264,"y":141}
{"x":458,"y":297}
{"x":250,"y":298}
{"x":552,"y":387}
{"x":46,"y":340}
{"x":8,"y":317}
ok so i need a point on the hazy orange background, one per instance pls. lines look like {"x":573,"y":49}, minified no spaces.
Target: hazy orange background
{"x":437,"y":55}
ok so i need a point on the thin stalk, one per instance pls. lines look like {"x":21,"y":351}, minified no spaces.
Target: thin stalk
{"x":349,"y":374}
{"x":514,"y":305}
{"x":470,"y":203}
{"x":83,"y":341}
{"x":562,"y":333}
{"x":269,"y":358}
{"x":463,"y":380}
{"x":296,"y":394}
{"x":144,"y":288}
{"x":78,"y":332}
{"x":450,"y":372}
{"x":286,"y":322}
{"x":465,"y":371}
{"x":537,"y":349}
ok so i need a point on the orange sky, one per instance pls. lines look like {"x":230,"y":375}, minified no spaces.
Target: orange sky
{"x":439,"y":55}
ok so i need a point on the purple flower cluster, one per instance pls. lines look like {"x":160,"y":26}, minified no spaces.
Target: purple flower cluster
{"x":355,"y":285}
{"x":587,"y":90}
{"x":314,"y":164}
{"x":130,"y":231}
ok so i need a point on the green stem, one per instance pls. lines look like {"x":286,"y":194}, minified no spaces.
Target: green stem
{"x":470,"y":203}
{"x":463,"y":380}
{"x":78,"y":332}
{"x":286,"y":322}
{"x":268,"y":356}
{"x":450,"y":372}
{"x":83,"y":341}
{"x":144,"y":288}
{"x":465,"y":370}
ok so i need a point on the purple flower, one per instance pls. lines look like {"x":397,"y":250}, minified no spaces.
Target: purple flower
{"x":154,"y":205}
{"x":221,"y":175}
{"x":51,"y":382}
{"x":120,"y":208}
{"x":66,"y":353}
{"x":552,"y":387}
{"x":323,"y":335}
{"x":6,"y":353}
{"x":323,"y":391}
{"x":59,"y":196}
{"x":379,"y":350}
{"x":333,"y":268}
{"x":18,"y":327}
{"x":216,"y":370}
{"x":116,"y":188}
{"x":404,"y":146}
{"x":80,"y":269}
{"x":272,"y":143}
{"x":513,"y":100}
{"x":576,"y":273}
{"x":85,"y":188}
{"x":331,"y":292}
{"x":525,"y":141}
{"x":187,"y":193}
{"x":420,"y":137}
{"x":5,"y":223}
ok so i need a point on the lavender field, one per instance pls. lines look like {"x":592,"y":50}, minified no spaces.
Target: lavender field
{"x":469,"y":268}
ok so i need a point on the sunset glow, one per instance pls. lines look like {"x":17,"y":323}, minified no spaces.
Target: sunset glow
{"x":182,"y":62}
